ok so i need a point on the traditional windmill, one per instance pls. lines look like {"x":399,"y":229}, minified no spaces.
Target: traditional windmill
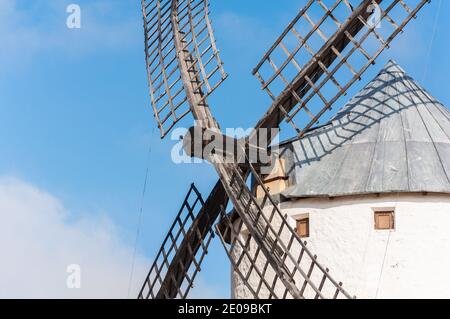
{"x":321,"y":54}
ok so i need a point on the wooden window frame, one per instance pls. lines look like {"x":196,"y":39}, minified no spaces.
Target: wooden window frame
{"x":305,"y":220}
{"x":385,"y":213}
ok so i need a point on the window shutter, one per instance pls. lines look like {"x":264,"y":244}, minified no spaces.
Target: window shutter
{"x":303,"y":227}
{"x":384,"y":220}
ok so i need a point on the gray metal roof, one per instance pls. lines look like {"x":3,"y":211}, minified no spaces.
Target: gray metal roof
{"x":392,"y":137}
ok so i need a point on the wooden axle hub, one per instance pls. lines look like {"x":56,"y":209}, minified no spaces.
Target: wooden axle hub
{"x":202,"y":143}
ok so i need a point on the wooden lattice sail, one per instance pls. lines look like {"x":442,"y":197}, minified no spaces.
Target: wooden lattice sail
{"x":320,"y":55}
{"x":187,"y":20}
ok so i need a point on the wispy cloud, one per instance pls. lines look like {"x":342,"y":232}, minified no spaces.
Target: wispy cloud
{"x":38,"y":241}
{"x":41,"y":28}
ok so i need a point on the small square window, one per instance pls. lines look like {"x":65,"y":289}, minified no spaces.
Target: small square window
{"x":303,"y":227}
{"x":385,"y":220}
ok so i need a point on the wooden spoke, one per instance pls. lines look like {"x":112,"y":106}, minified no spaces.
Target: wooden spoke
{"x":181,"y":255}
{"x":167,"y":88}
{"x":353,"y":46}
{"x":268,"y":257}
{"x":309,"y":68}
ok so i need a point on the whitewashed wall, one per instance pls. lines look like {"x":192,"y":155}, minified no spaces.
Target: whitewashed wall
{"x":411,"y":262}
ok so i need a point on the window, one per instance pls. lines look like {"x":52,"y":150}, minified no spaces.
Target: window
{"x":385,"y":220}
{"x":303,"y":227}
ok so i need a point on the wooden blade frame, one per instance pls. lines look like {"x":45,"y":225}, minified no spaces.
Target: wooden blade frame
{"x":272,"y":259}
{"x":306,"y":71}
{"x":167,"y":89}
{"x":180,"y":263}
{"x":171,"y":275}
{"x":274,"y":242}
{"x":256,"y":275}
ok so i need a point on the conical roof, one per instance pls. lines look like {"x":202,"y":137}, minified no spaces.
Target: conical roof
{"x":393,"y":136}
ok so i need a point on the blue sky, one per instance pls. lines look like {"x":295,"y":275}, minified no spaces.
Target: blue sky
{"x":75,"y":119}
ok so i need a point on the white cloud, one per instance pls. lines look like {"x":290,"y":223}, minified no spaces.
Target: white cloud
{"x":38,"y":241}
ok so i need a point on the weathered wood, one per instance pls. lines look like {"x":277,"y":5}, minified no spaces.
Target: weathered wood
{"x":315,"y":74}
{"x":227,"y":172}
{"x":274,"y":116}
{"x":189,"y":233}
{"x":274,"y":238}
{"x":195,"y":34}
{"x":192,"y":243}
{"x":174,"y":43}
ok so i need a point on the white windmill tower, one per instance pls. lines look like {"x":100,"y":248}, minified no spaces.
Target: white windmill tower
{"x":370,"y":191}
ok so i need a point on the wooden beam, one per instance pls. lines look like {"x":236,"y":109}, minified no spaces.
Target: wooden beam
{"x":190,"y":245}
{"x":274,"y":116}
